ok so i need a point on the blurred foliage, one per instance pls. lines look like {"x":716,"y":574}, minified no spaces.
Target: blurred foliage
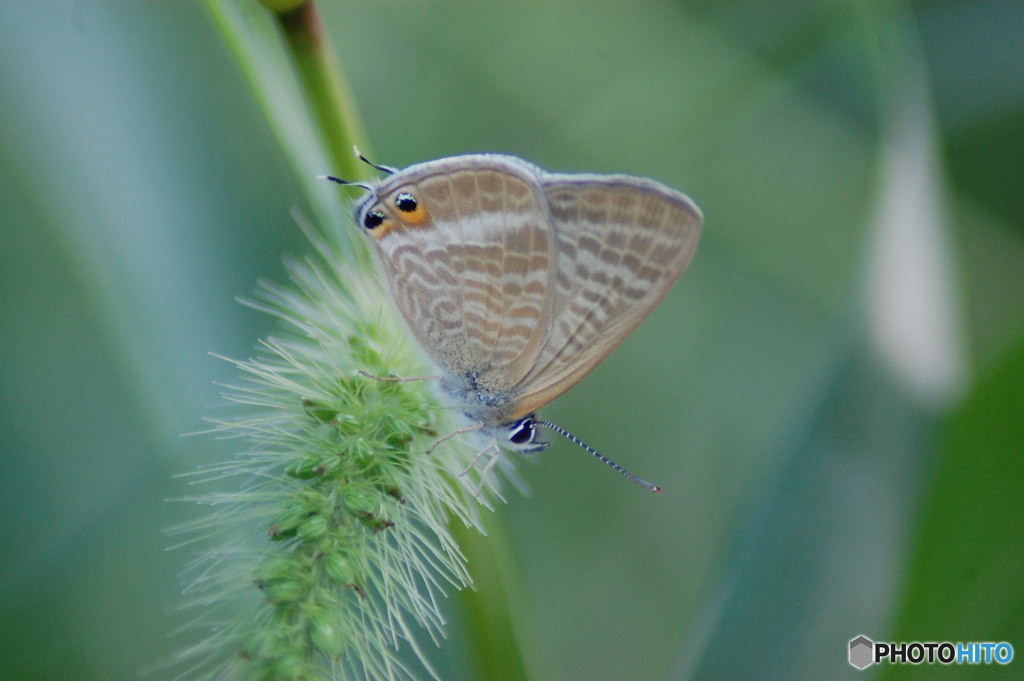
{"x":813,"y":491}
{"x":963,"y":582}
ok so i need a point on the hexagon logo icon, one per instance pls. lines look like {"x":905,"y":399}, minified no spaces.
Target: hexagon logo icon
{"x":862,"y":652}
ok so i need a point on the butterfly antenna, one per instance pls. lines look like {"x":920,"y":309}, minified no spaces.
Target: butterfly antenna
{"x":599,"y":456}
{"x":388,"y":170}
{"x":346,"y":183}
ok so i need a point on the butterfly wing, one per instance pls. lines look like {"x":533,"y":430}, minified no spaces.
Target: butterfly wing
{"x":473,"y":277}
{"x":621,"y":242}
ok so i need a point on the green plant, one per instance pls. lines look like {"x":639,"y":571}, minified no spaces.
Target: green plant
{"x":333,"y":555}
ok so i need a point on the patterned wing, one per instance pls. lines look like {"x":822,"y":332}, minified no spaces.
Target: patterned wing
{"x":471,"y":268}
{"x":622,"y":243}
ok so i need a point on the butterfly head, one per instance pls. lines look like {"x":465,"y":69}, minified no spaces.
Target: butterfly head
{"x":521,"y":435}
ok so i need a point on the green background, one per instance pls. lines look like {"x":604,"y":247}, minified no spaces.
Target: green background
{"x":818,"y":483}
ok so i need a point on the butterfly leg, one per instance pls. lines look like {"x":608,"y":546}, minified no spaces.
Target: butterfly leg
{"x":492,"y":445}
{"x":458,"y":431}
{"x":487,"y":469}
{"x":397,"y":379}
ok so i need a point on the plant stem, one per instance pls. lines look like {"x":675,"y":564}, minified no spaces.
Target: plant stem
{"x":325,"y":86}
{"x":493,"y":631}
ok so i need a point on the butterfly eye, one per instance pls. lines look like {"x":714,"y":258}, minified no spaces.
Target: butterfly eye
{"x":406,"y":203}
{"x":373,"y":219}
{"x":523,"y":432}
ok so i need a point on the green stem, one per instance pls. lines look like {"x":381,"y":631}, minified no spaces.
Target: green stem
{"x":493,"y":637}
{"x":355,"y":572}
{"x":325,"y":86}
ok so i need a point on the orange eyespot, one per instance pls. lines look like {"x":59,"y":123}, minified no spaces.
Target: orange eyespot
{"x":373,"y":220}
{"x":406,"y":203}
{"x":410,"y":210}
{"x":377,"y":224}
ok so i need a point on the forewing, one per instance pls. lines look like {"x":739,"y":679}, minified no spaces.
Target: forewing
{"x":621,"y":244}
{"x":474,"y":280}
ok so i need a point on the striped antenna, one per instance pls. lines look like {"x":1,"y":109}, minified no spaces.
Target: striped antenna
{"x":600,"y":457}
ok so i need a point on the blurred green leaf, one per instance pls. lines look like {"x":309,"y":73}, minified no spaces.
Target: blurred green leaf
{"x":255,"y":38}
{"x":964,"y":581}
{"x":818,"y":554}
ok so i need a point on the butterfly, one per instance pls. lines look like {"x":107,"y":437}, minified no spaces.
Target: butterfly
{"x":517,"y":282}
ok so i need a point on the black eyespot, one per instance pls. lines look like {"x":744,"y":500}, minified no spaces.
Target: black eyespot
{"x":373,"y":219}
{"x":406,"y":202}
{"x":522,"y":432}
